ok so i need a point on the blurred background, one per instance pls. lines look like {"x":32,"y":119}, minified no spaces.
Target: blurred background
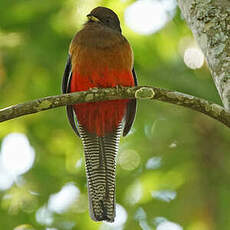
{"x":172,"y":170}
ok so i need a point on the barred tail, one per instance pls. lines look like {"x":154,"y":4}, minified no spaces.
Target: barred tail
{"x":100,"y":154}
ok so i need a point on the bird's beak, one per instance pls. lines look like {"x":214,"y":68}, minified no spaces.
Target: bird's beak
{"x":92,"y":18}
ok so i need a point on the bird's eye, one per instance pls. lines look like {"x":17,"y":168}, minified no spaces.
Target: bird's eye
{"x":107,"y":20}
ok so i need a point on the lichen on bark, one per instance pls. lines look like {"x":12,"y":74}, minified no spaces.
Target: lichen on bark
{"x":209,"y":21}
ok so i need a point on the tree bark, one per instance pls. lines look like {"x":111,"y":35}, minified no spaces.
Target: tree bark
{"x":209,"y":21}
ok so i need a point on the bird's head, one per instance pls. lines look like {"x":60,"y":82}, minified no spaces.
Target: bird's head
{"x":104,"y":16}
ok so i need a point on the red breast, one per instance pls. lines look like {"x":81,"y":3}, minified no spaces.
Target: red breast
{"x":100,"y":58}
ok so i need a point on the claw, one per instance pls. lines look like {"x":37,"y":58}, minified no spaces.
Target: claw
{"x":94,"y":89}
{"x":118,"y":88}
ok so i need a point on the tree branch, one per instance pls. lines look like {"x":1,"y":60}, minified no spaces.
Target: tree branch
{"x":210,"y":24}
{"x":140,"y":92}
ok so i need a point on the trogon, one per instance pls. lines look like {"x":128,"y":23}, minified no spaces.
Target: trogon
{"x":100,"y":57}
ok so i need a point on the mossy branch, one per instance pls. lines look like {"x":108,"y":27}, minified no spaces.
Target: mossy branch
{"x":140,"y":92}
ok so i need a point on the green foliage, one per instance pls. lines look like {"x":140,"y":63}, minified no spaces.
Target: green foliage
{"x":191,"y":149}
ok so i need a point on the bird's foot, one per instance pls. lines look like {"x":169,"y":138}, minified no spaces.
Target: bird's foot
{"x":94,"y":89}
{"x":118,"y":88}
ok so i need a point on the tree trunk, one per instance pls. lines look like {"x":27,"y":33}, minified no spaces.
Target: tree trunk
{"x":209,"y":21}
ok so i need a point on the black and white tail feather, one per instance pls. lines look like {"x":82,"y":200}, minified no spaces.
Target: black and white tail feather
{"x":100,"y":161}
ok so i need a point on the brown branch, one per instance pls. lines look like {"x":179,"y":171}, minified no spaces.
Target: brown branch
{"x":141,"y":92}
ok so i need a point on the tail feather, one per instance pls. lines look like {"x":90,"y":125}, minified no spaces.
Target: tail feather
{"x":100,"y":154}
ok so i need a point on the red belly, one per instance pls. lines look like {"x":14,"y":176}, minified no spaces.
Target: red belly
{"x":101,"y":117}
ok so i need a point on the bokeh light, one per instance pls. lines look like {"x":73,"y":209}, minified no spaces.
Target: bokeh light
{"x":140,"y":214}
{"x":16,"y":158}
{"x":144,"y":225}
{"x":120,"y":219}
{"x":141,"y":217}
{"x":168,"y":225}
{"x":6,"y":180}
{"x":149,"y":16}
{"x":134,"y":193}
{"x":153,"y":163}
{"x":164,"y":195}
{"x":163,"y":224}
{"x":44,"y":216}
{"x":173,"y":145}
{"x":79,"y":163}
{"x":17,"y":155}
{"x":61,"y":201}
{"x":193,"y":57}
{"x":128,"y":159}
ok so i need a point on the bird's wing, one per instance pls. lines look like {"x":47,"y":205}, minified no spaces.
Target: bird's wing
{"x":66,"y":80}
{"x":131,"y":110}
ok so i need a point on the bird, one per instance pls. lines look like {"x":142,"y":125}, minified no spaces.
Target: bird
{"x":100,"y":57}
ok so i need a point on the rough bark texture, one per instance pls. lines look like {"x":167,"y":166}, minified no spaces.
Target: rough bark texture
{"x":140,"y":92}
{"x":209,"y":21}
